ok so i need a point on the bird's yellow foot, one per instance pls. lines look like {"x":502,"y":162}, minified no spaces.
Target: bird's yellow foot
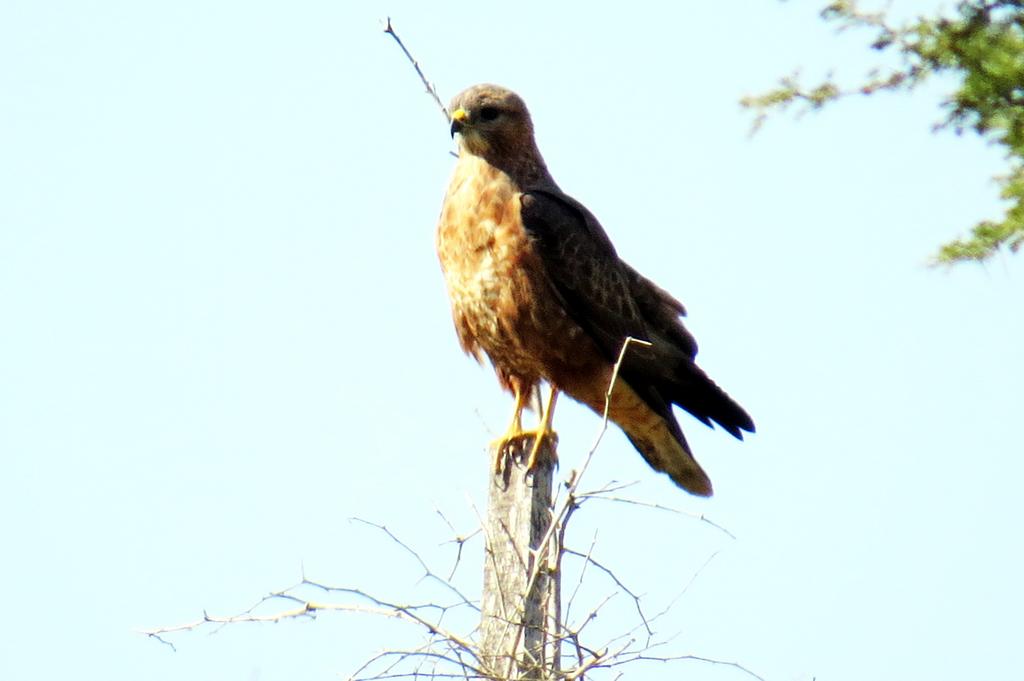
{"x":544,"y":432}
{"x":515,"y":437}
{"x":539,"y":436}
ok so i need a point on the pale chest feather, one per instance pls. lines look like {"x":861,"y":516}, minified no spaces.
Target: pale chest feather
{"x":493,"y":275}
{"x":479,"y":236}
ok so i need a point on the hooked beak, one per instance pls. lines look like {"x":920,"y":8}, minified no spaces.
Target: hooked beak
{"x":459,"y":117}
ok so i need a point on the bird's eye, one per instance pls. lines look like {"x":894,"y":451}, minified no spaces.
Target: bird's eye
{"x":489,"y":113}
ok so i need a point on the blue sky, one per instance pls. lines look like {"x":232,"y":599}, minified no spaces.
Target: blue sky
{"x":224,"y":333}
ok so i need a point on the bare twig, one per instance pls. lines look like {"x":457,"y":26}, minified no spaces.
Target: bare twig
{"x":427,"y":572}
{"x":309,"y":608}
{"x":608,"y":396}
{"x":431,"y":90}
{"x":601,"y":495}
{"x":611,"y":574}
{"x":581,"y":577}
{"x":627,"y":659}
{"x":459,"y":540}
{"x":693,"y":578}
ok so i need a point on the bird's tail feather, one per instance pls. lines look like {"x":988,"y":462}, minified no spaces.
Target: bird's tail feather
{"x":652,"y":430}
{"x":672,"y":373}
{"x":666,"y":454}
{"x":695,"y":392}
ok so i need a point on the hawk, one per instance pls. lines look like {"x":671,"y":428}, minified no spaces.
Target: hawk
{"x":536,"y":286}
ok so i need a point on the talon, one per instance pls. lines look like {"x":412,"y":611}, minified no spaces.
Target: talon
{"x":539,"y":439}
{"x":515,"y":436}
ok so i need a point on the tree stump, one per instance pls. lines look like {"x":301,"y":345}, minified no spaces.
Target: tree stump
{"x":520,"y":607}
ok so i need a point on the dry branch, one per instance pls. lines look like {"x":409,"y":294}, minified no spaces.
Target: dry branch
{"x":431,"y":90}
{"x":532,"y":649}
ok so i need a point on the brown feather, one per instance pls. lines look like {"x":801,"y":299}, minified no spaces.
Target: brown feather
{"x":537,"y":287}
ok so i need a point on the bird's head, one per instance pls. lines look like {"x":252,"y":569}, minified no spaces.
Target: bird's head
{"x":491,"y":121}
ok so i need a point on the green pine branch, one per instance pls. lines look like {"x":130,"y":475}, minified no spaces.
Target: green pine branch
{"x":983,"y":45}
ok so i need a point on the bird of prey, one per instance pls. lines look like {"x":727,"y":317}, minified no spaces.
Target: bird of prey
{"x":536,"y":286}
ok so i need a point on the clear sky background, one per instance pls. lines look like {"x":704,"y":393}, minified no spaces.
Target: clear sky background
{"x":223,"y":332}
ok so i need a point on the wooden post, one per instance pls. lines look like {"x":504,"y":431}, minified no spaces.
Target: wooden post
{"x":520,"y":607}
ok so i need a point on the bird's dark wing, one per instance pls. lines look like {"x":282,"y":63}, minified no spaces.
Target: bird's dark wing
{"x":610,"y":301}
